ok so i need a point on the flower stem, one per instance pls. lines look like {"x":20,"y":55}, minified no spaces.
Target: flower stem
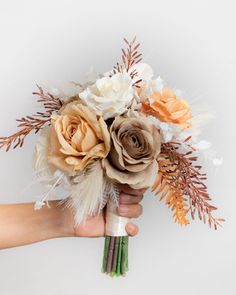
{"x":105,"y":253}
{"x":115,"y":256}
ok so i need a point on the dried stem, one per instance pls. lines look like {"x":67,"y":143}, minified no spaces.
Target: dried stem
{"x":179,"y":172}
{"x":130,"y":57}
{"x":33,"y":123}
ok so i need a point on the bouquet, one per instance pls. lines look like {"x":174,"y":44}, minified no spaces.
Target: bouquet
{"x":124,"y":127}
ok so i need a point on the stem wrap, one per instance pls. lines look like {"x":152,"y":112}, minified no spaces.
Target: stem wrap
{"x":115,"y":224}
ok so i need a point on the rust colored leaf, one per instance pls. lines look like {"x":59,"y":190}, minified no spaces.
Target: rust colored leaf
{"x":183,"y":178}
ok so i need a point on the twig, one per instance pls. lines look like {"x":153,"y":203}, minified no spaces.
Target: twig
{"x":182,"y":175}
{"x":130,"y":57}
{"x":33,"y":123}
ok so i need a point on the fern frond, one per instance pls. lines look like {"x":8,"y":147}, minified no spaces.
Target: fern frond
{"x":35,"y":122}
{"x":130,"y":57}
{"x":180,"y":177}
{"x":173,"y":199}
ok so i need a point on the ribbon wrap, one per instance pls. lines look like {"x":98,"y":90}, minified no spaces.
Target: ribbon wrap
{"x":115,"y":224}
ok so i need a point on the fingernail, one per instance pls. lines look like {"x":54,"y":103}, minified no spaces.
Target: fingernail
{"x":123,"y":209}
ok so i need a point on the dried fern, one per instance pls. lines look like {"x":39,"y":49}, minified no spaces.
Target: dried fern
{"x":33,"y":123}
{"x":179,"y":178}
{"x":130,"y":57}
{"x":173,"y":198}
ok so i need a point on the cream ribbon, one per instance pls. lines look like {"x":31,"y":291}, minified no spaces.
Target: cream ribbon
{"x":115,"y":224}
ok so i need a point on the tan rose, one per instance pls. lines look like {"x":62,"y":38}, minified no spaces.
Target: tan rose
{"x":135,"y":147}
{"x":168,"y":108}
{"x":77,"y":137}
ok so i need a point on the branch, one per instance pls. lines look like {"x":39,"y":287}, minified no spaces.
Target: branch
{"x":33,"y":123}
{"x":130,"y":57}
{"x":179,"y":172}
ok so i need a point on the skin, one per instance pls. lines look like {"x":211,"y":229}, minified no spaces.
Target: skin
{"x":20,"y":224}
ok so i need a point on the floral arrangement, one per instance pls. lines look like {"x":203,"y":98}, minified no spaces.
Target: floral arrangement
{"x":125,"y":127}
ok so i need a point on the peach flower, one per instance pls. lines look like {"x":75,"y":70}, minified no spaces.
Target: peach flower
{"x":77,"y":137}
{"x":167,"y":107}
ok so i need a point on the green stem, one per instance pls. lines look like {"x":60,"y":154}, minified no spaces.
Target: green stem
{"x":115,"y":256}
{"x":118,"y":272}
{"x":124,"y":260}
{"x":105,"y":253}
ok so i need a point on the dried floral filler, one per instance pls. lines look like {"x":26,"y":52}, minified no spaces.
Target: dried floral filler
{"x":124,"y":127}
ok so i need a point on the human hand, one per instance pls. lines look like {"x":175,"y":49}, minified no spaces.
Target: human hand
{"x":20,"y":224}
{"x":128,"y":207}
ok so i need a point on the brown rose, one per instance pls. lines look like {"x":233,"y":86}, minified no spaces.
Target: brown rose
{"x":77,"y":137}
{"x":134,"y":150}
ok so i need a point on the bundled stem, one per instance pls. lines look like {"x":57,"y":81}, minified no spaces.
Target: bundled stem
{"x":115,"y":256}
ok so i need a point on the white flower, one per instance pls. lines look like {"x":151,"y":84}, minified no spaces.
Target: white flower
{"x":148,"y":87}
{"x":168,"y":130}
{"x":144,"y":71}
{"x":109,"y":96}
{"x":148,"y":84}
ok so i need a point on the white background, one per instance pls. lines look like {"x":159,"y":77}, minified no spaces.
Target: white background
{"x":189,"y":43}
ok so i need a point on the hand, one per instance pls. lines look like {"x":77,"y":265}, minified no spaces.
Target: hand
{"x":129,"y":207}
{"x":20,"y":224}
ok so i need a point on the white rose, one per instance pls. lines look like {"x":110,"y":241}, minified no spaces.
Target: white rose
{"x":109,"y":96}
{"x":148,"y":84}
{"x":144,"y":71}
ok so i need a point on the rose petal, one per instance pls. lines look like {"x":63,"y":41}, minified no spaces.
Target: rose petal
{"x":142,"y":179}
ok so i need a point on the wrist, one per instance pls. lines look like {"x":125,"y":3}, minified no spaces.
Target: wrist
{"x":60,"y":220}
{"x":67,"y":225}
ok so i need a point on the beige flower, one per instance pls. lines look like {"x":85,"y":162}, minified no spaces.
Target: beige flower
{"x":135,"y":147}
{"x":77,"y":137}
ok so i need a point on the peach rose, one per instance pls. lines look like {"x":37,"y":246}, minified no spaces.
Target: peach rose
{"x":168,"y":108}
{"x":77,"y":137}
{"x":135,"y":146}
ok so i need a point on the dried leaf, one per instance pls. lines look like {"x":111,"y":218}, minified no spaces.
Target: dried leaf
{"x":178,"y":173}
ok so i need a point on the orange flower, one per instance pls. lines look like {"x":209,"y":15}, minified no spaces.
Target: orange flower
{"x":168,"y":108}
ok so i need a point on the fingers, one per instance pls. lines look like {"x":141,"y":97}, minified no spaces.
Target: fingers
{"x":131,"y":229}
{"x":129,"y":202}
{"x":130,"y":207}
{"x":130,"y":211}
{"x":124,"y":188}
{"x":129,"y":199}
